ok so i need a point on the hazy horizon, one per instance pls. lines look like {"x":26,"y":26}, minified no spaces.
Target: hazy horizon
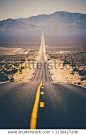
{"x":41,"y":14}
{"x":27,"y":8}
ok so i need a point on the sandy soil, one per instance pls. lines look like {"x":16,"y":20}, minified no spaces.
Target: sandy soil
{"x":11,"y":51}
{"x":24,"y":76}
{"x":65,"y":75}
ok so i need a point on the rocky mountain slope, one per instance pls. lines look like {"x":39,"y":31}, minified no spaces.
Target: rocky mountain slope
{"x":58,"y":22}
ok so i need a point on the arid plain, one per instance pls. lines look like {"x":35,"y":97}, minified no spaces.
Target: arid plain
{"x":66,"y":59}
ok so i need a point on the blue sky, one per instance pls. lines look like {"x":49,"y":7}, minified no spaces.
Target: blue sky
{"x":26,"y":8}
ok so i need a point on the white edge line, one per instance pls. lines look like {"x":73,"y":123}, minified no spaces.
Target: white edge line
{"x":79,"y":85}
{"x":71,"y":84}
{"x":3,"y":82}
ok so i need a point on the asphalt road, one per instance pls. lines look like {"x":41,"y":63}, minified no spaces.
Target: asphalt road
{"x":65,"y":107}
{"x":64,"y":104}
{"x":16,"y":104}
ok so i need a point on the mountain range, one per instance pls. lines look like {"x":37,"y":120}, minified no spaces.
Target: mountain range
{"x":56,"y":23}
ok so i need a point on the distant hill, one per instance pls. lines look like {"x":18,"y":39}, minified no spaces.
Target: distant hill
{"x":58,"y":23}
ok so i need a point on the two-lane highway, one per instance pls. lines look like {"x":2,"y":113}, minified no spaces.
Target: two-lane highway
{"x":40,"y":103}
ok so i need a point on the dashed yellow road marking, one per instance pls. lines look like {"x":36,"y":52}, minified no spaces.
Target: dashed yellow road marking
{"x":42,"y":87}
{"x":35,"y":109}
{"x":42,"y":93}
{"x":41,"y":104}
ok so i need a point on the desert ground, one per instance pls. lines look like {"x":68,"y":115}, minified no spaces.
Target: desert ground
{"x":70,"y":54}
{"x":68,"y":66}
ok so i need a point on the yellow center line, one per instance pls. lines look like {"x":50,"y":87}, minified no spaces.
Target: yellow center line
{"x":35,"y":109}
{"x":42,"y":87}
{"x":41,"y":104}
{"x":42,"y":93}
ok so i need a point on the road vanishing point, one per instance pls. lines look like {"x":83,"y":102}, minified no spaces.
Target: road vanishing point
{"x":42,"y":104}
